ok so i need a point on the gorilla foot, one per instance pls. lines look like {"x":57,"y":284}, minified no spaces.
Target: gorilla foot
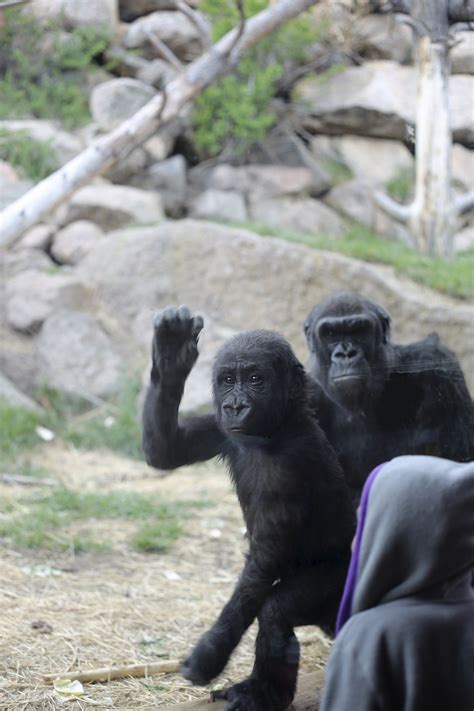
{"x":253,"y":695}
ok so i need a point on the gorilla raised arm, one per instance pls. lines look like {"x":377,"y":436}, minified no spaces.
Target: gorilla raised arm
{"x":376,"y":399}
{"x":167,"y":443}
{"x":297,"y":510}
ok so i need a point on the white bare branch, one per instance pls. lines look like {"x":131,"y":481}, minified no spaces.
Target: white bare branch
{"x":166,"y":53}
{"x":400,"y":213}
{"x":198,"y":21}
{"x":101,"y":154}
{"x":465,"y":203}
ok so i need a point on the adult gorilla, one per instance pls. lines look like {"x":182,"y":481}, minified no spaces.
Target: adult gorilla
{"x":374,"y":399}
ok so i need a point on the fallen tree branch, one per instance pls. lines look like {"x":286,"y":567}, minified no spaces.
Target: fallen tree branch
{"x":20,"y":480}
{"x":166,"y":53}
{"x":197,"y":20}
{"x":464,"y":203}
{"x":401,"y":213}
{"x":108,"y":673}
{"x":103,"y":153}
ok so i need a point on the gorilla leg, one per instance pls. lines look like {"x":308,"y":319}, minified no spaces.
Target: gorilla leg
{"x":308,"y":598}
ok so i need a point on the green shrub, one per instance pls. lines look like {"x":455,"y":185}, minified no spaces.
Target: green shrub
{"x":401,"y":186}
{"x":235,"y":112}
{"x":41,"y":83}
{"x":34,"y":159}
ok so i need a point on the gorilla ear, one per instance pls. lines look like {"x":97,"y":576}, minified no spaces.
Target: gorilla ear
{"x":384,"y":320}
{"x":297,"y":382}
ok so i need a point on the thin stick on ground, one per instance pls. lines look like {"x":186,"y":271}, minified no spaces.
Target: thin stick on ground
{"x":108,"y":673}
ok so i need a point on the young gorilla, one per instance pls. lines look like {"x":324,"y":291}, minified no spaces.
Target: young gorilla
{"x":294,"y":499}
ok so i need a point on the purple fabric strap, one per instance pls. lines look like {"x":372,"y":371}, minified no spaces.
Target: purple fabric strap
{"x":345,"y":608}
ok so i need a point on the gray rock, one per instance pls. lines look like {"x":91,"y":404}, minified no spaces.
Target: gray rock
{"x":93,"y":13}
{"x":157,"y":73}
{"x":354,"y":200}
{"x":131,"y":9}
{"x":269,"y":180}
{"x":37,"y":237}
{"x":128,"y":167}
{"x":382,"y":37}
{"x":114,"y":101}
{"x":72,"y":243}
{"x":10,"y":394}
{"x":244,"y":281}
{"x":9,"y":192}
{"x":462,"y":165}
{"x":227,"y":205}
{"x":19,"y":260}
{"x":64,"y":145}
{"x":374,"y":160}
{"x":378,"y":99}
{"x":464,"y":240}
{"x":462,"y":54}
{"x":8,"y":174}
{"x":112,"y":206}
{"x":31,"y":296}
{"x":173,"y":28}
{"x":159,"y":147}
{"x":76,"y":356}
{"x":18,"y":359}
{"x":298,"y":214}
{"x":168,"y":177}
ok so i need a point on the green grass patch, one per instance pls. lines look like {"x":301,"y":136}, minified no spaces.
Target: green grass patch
{"x":17,"y":431}
{"x":454,"y":277}
{"x":338,"y":171}
{"x":402,"y":186}
{"x":45,"y":520}
{"x":33,"y":159}
{"x":46,"y":81}
{"x":117,"y":427}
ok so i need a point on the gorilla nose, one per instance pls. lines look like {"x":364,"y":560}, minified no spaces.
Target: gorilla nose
{"x":235,"y":408}
{"x":347,"y":353}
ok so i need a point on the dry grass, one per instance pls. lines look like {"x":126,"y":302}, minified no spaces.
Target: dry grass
{"x":124,"y":607}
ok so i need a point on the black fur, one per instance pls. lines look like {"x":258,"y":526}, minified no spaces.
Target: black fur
{"x":395,"y":399}
{"x":296,"y":506}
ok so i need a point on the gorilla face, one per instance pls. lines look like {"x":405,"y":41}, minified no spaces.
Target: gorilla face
{"x":348,"y":341}
{"x":253,"y":381}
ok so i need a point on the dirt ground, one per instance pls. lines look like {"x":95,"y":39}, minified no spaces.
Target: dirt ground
{"x":123,"y":607}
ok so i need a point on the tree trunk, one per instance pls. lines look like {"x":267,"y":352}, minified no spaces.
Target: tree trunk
{"x":431,"y":221}
{"x":221,"y":59}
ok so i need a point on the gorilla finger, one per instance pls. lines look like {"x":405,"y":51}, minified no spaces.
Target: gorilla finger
{"x":183,"y":313}
{"x":198,"y":324}
{"x":168,"y":315}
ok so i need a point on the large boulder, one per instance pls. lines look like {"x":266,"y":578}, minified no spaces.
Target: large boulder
{"x":244,"y":281}
{"x":297,"y":214}
{"x":462,"y":165}
{"x":370,"y":159}
{"x":32,"y":296}
{"x":168,"y":177}
{"x":10,"y":394}
{"x":37,"y":237}
{"x":226,"y":205}
{"x":72,"y":243}
{"x":114,"y":101}
{"x":269,"y":180}
{"x":101,"y":14}
{"x":378,"y":99}
{"x":113,"y":206}
{"x":173,"y":28}
{"x":354,"y":200}
{"x":75,"y":355}
{"x":131,"y":9}
{"x":462,"y":53}
{"x":382,"y":37}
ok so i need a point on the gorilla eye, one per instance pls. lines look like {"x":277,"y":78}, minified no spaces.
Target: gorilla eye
{"x":255,"y":378}
{"x":228,"y":379}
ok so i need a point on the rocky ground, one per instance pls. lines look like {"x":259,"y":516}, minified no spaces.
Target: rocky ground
{"x":62,"y":612}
